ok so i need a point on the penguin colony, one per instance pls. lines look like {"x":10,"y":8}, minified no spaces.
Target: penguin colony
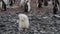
{"x":26,"y":4}
{"x":4,"y":3}
{"x":23,"y":19}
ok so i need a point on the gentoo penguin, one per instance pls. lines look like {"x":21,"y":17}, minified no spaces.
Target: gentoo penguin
{"x":55,"y":8}
{"x":3,"y":5}
{"x":11,"y":3}
{"x":39,"y":4}
{"x":27,"y":6}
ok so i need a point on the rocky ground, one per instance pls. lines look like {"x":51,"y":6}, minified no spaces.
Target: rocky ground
{"x":42,"y":20}
{"x":39,"y":24}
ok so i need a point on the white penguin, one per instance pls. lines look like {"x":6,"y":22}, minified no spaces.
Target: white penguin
{"x":23,"y":21}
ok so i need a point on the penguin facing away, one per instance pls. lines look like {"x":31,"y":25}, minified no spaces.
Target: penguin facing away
{"x":27,"y":6}
{"x":23,"y":21}
{"x":55,"y":8}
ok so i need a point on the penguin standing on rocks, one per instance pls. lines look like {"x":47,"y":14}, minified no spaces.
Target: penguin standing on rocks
{"x":39,"y":4}
{"x":55,"y":8}
{"x":27,"y":6}
{"x":23,"y":21}
{"x":3,"y":5}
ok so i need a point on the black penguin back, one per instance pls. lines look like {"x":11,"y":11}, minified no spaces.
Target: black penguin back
{"x":26,"y":7}
{"x":4,"y":5}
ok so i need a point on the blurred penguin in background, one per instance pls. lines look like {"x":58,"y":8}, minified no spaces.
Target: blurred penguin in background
{"x":10,"y":2}
{"x":39,"y":4}
{"x":22,"y":3}
{"x":23,"y":21}
{"x":45,"y":2}
{"x":0,"y":4}
{"x":3,"y":5}
{"x":55,"y":8}
{"x":27,"y":6}
{"x":57,"y":2}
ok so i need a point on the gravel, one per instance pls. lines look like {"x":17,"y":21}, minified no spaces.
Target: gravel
{"x":39,"y":24}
